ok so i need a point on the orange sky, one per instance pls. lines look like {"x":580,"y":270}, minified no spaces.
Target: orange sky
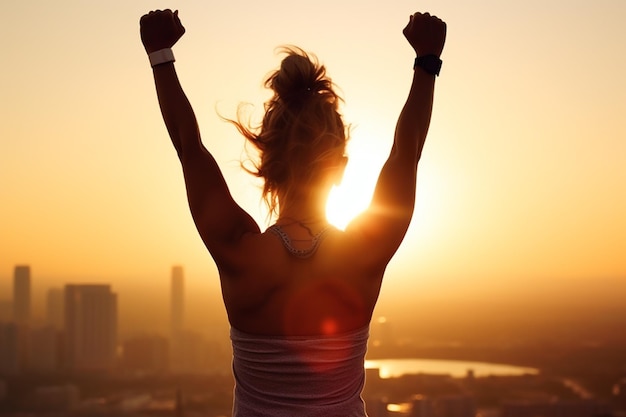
{"x":522,"y":184}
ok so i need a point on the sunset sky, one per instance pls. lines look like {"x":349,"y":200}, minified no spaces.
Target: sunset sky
{"x":521,"y":186}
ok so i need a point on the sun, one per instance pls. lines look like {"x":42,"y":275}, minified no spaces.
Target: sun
{"x":343,"y":205}
{"x":354,"y":193}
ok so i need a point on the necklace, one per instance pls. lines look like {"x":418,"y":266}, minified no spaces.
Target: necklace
{"x":316,"y":239}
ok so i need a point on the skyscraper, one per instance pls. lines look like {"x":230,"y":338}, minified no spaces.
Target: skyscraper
{"x":90,"y":327}
{"x":177,"y":308}
{"x":45,"y":349}
{"x":54,"y":308}
{"x":21,"y":294}
{"x":177,"y":302}
{"x":10,"y":358}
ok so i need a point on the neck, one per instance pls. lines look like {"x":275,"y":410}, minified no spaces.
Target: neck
{"x":302,"y":216}
{"x":302,"y":210}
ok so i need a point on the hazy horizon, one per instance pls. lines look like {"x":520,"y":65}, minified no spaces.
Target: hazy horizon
{"x":528,"y":314}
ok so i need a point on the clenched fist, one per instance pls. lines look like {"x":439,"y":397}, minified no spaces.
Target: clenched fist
{"x":160,"y":29}
{"x":426,"y":34}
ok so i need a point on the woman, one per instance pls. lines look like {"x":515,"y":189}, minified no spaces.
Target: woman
{"x":300,"y":295}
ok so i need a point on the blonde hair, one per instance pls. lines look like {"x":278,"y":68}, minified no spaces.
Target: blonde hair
{"x":302,"y":134}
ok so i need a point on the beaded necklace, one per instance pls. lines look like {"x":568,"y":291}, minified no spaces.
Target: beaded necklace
{"x":316,"y":239}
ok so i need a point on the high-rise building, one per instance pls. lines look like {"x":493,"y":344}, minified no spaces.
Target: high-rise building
{"x":21,"y":294}
{"x":177,"y":301}
{"x":177,"y":310}
{"x":571,"y":408}
{"x":10,"y":358}
{"x":454,"y":406}
{"x":54,"y":308}
{"x":45,"y":350}
{"x":90,"y":327}
{"x":421,"y":406}
{"x":146,"y":353}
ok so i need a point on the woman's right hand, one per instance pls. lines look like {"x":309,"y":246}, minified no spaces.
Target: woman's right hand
{"x":160,"y":29}
{"x":426,"y":34}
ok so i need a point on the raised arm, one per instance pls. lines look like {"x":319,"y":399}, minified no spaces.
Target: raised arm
{"x":219,"y":220}
{"x":387,"y":219}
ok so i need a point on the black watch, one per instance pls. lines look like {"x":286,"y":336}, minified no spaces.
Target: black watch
{"x":429,"y":63}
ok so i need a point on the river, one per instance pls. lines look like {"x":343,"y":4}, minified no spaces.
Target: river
{"x":391,"y":368}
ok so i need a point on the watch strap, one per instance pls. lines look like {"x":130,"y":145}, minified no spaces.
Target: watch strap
{"x":429,"y":63}
{"x":161,"y":56}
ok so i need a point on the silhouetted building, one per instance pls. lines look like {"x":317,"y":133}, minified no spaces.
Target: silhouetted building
{"x":179,"y":408}
{"x":195,"y":354}
{"x":377,"y":407}
{"x":90,"y":327}
{"x":3,"y":390}
{"x":177,"y":301}
{"x":45,"y":350}
{"x":61,"y":398}
{"x":453,"y":406}
{"x":421,"y":406}
{"x":54,"y":308}
{"x":619,"y":392}
{"x":148,"y":353}
{"x":21,"y":294}
{"x":10,"y":349}
{"x":177,"y":311}
{"x":579,"y":408}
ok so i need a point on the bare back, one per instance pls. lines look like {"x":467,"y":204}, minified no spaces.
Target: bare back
{"x":273,"y":292}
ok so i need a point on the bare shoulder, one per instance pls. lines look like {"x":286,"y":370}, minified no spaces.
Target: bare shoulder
{"x":264,"y":260}
{"x":356,"y":252}
{"x":374,"y":239}
{"x":253,"y":251}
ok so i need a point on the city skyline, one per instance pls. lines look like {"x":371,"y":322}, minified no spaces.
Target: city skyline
{"x":598,"y":318}
{"x":80,"y":333}
{"x":58,"y":374}
{"x":79,"y":309}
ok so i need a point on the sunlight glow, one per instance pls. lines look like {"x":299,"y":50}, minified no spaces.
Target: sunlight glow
{"x":344,"y":204}
{"x":354,"y":193}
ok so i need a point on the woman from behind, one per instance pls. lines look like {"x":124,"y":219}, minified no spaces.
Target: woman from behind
{"x":299,"y":295}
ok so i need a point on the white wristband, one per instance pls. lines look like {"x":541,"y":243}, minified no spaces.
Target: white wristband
{"x":161,"y":56}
